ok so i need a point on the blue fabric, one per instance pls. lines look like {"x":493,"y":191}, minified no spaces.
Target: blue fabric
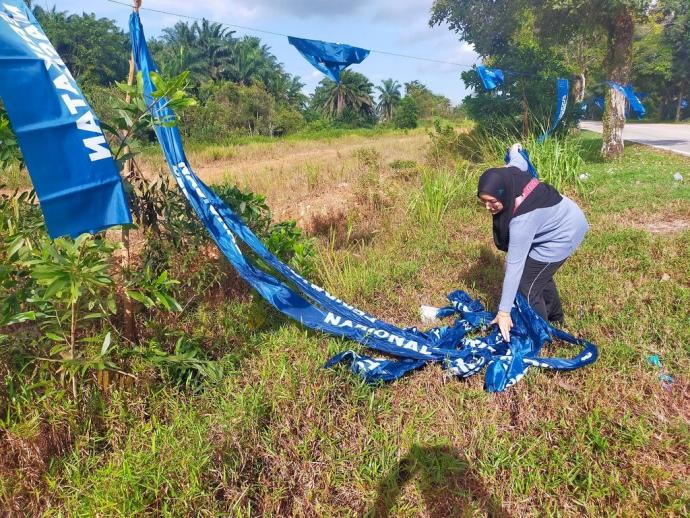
{"x":329,"y":58}
{"x":72,"y":169}
{"x":311,"y":305}
{"x":635,"y":103}
{"x":491,"y":78}
{"x":684,"y":104}
{"x":599,"y":103}
{"x":562,"y":90}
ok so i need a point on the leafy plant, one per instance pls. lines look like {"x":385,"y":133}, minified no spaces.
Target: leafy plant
{"x":251,"y":207}
{"x":187,"y":366}
{"x":153,"y":291}
{"x":9,"y":149}
{"x":285,"y":240}
{"x":72,"y":277}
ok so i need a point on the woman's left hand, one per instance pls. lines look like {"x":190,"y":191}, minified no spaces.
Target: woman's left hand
{"x":505,"y":324}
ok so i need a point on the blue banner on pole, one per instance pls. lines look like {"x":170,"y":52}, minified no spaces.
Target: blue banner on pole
{"x":66,"y":153}
{"x":491,"y":78}
{"x":329,"y":58}
{"x":562,"y":90}
{"x":317,"y":309}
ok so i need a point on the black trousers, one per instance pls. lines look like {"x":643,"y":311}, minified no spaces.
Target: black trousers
{"x":538,"y":286}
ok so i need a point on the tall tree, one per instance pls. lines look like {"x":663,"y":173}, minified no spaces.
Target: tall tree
{"x":428,"y":103}
{"x":677,"y":37}
{"x":389,"y":98}
{"x":491,"y":24}
{"x":353,"y":93}
{"x":94,"y":49}
{"x":652,"y":70}
{"x":617,"y":19}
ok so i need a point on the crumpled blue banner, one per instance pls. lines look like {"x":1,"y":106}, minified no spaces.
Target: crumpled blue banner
{"x":329,"y":58}
{"x":506,"y":363}
{"x":66,"y":153}
{"x":491,"y":78}
{"x":303,"y":301}
{"x":635,"y":103}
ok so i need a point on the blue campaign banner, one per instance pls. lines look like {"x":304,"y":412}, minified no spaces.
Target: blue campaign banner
{"x":491,"y":78}
{"x":562,"y":90}
{"x":315,"y":308}
{"x":66,"y":153}
{"x":329,"y":58}
{"x":635,"y":103}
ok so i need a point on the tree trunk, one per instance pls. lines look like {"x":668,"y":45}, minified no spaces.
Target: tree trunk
{"x":679,"y":106}
{"x":341,"y":100}
{"x":579,"y":88}
{"x":661,"y":113}
{"x":619,"y":63}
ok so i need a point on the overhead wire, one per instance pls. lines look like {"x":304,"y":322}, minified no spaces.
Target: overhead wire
{"x":273,"y":33}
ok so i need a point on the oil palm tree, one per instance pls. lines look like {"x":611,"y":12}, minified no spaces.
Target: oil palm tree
{"x":389,"y":98}
{"x":354,"y":92}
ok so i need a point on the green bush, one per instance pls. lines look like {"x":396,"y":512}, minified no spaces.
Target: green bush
{"x":407,"y":114}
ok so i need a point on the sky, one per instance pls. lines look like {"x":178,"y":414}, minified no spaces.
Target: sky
{"x":397,"y":26}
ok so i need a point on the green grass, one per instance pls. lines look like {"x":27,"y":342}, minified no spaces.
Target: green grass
{"x":280,"y":436}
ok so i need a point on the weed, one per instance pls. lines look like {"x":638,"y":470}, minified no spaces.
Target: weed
{"x":367,"y":158}
{"x":440,"y":189}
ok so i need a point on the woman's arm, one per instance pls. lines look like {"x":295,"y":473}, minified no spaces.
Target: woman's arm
{"x":515,"y":159}
{"x":522,"y":232}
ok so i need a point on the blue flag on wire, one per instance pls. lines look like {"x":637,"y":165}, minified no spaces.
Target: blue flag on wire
{"x":635,"y":103}
{"x":329,"y":58}
{"x":491,"y":78}
{"x":315,"y":308}
{"x":66,"y":153}
{"x":562,"y":89}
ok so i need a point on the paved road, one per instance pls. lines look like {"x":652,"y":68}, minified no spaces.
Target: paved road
{"x":671,"y":137}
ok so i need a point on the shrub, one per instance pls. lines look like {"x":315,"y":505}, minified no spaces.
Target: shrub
{"x":367,"y":158}
{"x":407,"y":114}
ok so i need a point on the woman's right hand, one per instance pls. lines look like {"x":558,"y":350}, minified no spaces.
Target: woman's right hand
{"x":516,"y":148}
{"x":505,"y":324}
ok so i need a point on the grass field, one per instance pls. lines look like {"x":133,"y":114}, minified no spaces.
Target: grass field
{"x":277,"y":435}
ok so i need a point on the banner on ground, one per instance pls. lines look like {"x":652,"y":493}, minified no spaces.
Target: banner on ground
{"x":315,"y":308}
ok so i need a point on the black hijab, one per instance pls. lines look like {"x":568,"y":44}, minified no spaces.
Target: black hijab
{"x":506,"y":184}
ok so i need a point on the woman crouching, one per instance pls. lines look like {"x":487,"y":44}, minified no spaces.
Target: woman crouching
{"x":538,"y":227}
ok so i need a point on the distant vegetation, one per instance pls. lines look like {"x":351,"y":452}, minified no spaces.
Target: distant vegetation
{"x":642,"y":42}
{"x":241,"y":87}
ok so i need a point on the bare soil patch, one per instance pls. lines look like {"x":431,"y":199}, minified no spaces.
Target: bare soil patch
{"x":673,"y":220}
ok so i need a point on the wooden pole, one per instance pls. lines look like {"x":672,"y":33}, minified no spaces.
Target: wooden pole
{"x":129,"y":320}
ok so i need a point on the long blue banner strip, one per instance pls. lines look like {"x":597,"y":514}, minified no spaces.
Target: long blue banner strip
{"x":70,"y":163}
{"x":317,"y":309}
{"x":562,"y":90}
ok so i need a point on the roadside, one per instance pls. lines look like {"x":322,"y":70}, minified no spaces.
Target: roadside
{"x":670,"y":137}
